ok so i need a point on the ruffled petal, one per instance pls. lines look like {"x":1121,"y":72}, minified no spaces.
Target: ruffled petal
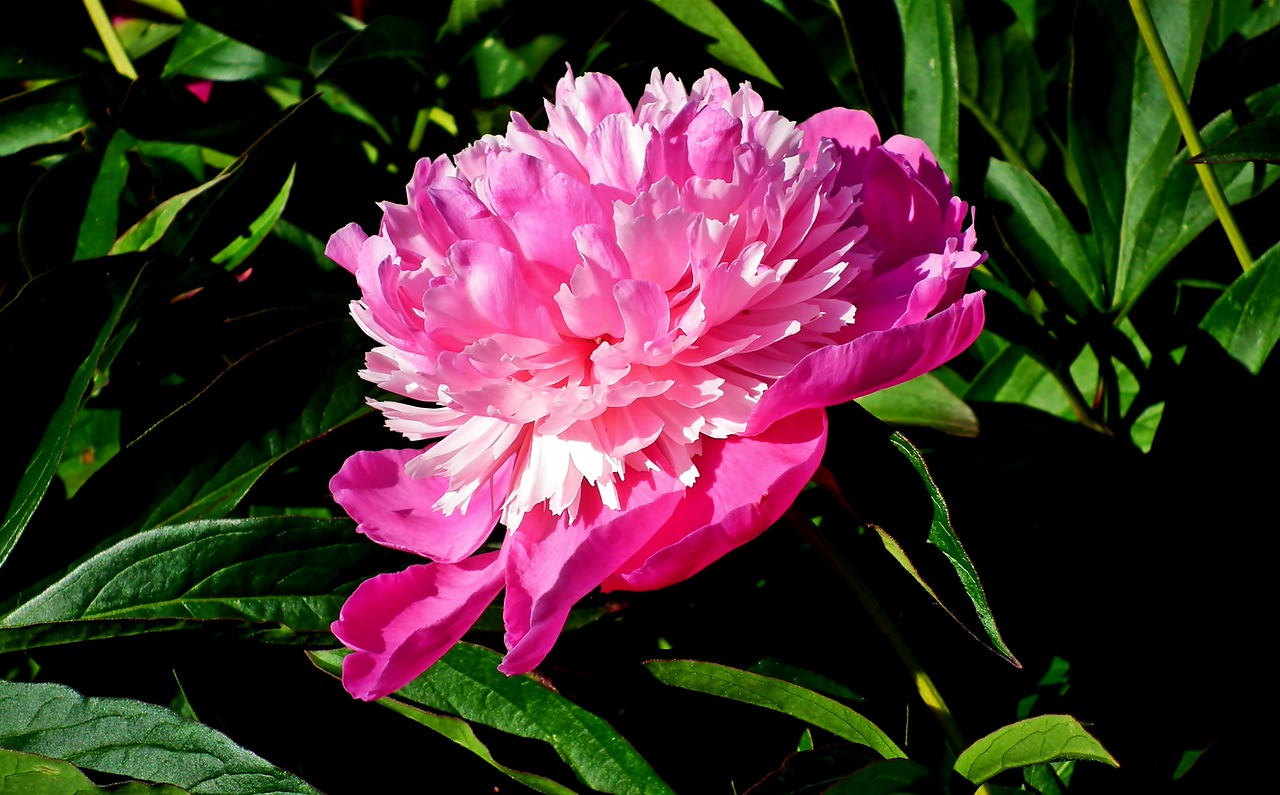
{"x":398,"y":625}
{"x":839,"y":373}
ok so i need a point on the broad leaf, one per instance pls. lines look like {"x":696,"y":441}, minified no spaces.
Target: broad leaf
{"x":1257,"y":140}
{"x":777,"y":695}
{"x":923,"y":402}
{"x":930,"y":79}
{"x":98,"y":228}
{"x":944,"y":538}
{"x":292,"y":571}
{"x":206,"y":53}
{"x":466,"y":683}
{"x":130,"y":738}
{"x":730,"y":46}
{"x":1245,"y":320}
{"x":1030,"y":742}
{"x":30,"y":774}
{"x":41,"y":116}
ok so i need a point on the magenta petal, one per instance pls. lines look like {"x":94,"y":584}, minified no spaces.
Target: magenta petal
{"x":397,"y":511}
{"x":748,"y":482}
{"x":344,"y":246}
{"x":398,"y":625}
{"x":551,"y":563}
{"x":878,"y":360}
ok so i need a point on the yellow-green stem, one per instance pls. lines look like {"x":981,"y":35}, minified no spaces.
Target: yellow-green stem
{"x":115,"y":50}
{"x":1173,"y":90}
{"x":924,"y":683}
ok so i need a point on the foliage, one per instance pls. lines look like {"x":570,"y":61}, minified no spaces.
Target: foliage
{"x":183,"y":379}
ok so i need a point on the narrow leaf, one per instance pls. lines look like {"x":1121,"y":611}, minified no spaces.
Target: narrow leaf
{"x":944,"y":538}
{"x":41,"y":116}
{"x":239,"y":249}
{"x":98,"y":228}
{"x":130,"y":738}
{"x":1245,"y":319}
{"x":1033,"y":741}
{"x":730,"y":47}
{"x":924,"y":402}
{"x":466,"y":683}
{"x":1257,"y":140}
{"x":930,"y":79}
{"x":887,"y":777}
{"x":777,"y":695}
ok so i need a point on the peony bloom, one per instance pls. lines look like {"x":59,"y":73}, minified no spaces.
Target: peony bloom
{"x":620,"y":334}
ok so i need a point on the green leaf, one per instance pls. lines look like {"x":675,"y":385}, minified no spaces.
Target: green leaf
{"x":293,"y":571}
{"x":924,"y":402}
{"x":930,"y":79}
{"x":777,"y":695}
{"x":1258,"y":140}
{"x":1043,"y":238}
{"x":730,"y":47}
{"x":887,"y":777}
{"x":205,"y":53}
{"x":130,"y":738}
{"x":94,"y":440}
{"x":1033,"y":741}
{"x":41,"y":116}
{"x":30,"y":774}
{"x":1245,"y":320}
{"x":43,"y":295}
{"x":65,"y":633}
{"x":98,"y":228}
{"x":239,"y":249}
{"x":152,"y":227}
{"x":1007,"y":95}
{"x":385,"y":37}
{"x":498,"y":68}
{"x":467,"y":12}
{"x":466,"y":683}
{"x":943,"y":536}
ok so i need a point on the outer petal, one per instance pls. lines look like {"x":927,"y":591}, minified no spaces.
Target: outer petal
{"x":397,"y":511}
{"x":748,"y":483}
{"x":552,"y":564}
{"x":878,"y":360}
{"x":399,"y":624}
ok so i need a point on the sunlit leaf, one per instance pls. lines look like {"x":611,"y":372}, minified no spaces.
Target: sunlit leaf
{"x":931,"y":88}
{"x":466,"y":12}
{"x":98,"y":228}
{"x":730,"y":46}
{"x":239,"y":249}
{"x":1030,"y":742}
{"x":466,"y":683}
{"x":777,"y":695}
{"x":203,"y":52}
{"x":41,"y":116}
{"x":923,"y":402}
{"x":134,"y":739}
{"x":93,"y":441}
{"x":498,"y":68}
{"x":1245,"y":320}
{"x":29,"y":774}
{"x":943,"y":536}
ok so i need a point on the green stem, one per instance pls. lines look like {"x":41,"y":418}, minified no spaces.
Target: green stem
{"x":924,"y":684}
{"x":1173,"y":90}
{"x":115,"y":51}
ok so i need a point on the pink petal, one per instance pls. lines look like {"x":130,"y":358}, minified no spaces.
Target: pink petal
{"x":398,"y":511}
{"x":398,"y":625}
{"x":748,"y":482}
{"x":344,"y":246}
{"x":878,"y":360}
{"x":551,"y":563}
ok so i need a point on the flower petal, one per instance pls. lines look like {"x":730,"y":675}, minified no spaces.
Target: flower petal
{"x":748,"y":482}
{"x":874,"y":361}
{"x":398,"y":625}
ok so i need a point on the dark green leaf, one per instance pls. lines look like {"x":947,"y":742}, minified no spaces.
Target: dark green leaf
{"x":888,"y":777}
{"x":30,"y":774}
{"x":777,"y":695}
{"x":1007,"y":96}
{"x":206,"y":53}
{"x":730,"y":46}
{"x":98,"y":228}
{"x":467,"y":12}
{"x":1258,"y":140}
{"x":1033,"y":741}
{"x":466,"y":683}
{"x":41,"y":116}
{"x":777,"y":669}
{"x":65,"y":633}
{"x":94,"y":440}
{"x":944,"y":538}
{"x":931,"y":87}
{"x":923,"y":402}
{"x":385,"y":37}
{"x":1245,"y":319}
{"x":130,"y":738}
{"x":293,"y":571}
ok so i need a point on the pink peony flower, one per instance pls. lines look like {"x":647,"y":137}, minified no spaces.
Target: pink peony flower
{"x":622,"y":331}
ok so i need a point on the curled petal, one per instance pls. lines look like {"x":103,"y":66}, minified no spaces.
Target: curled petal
{"x":398,"y":625}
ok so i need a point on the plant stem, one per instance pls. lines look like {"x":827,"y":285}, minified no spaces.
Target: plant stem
{"x":115,"y":51}
{"x":924,"y":684}
{"x":1173,"y":90}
